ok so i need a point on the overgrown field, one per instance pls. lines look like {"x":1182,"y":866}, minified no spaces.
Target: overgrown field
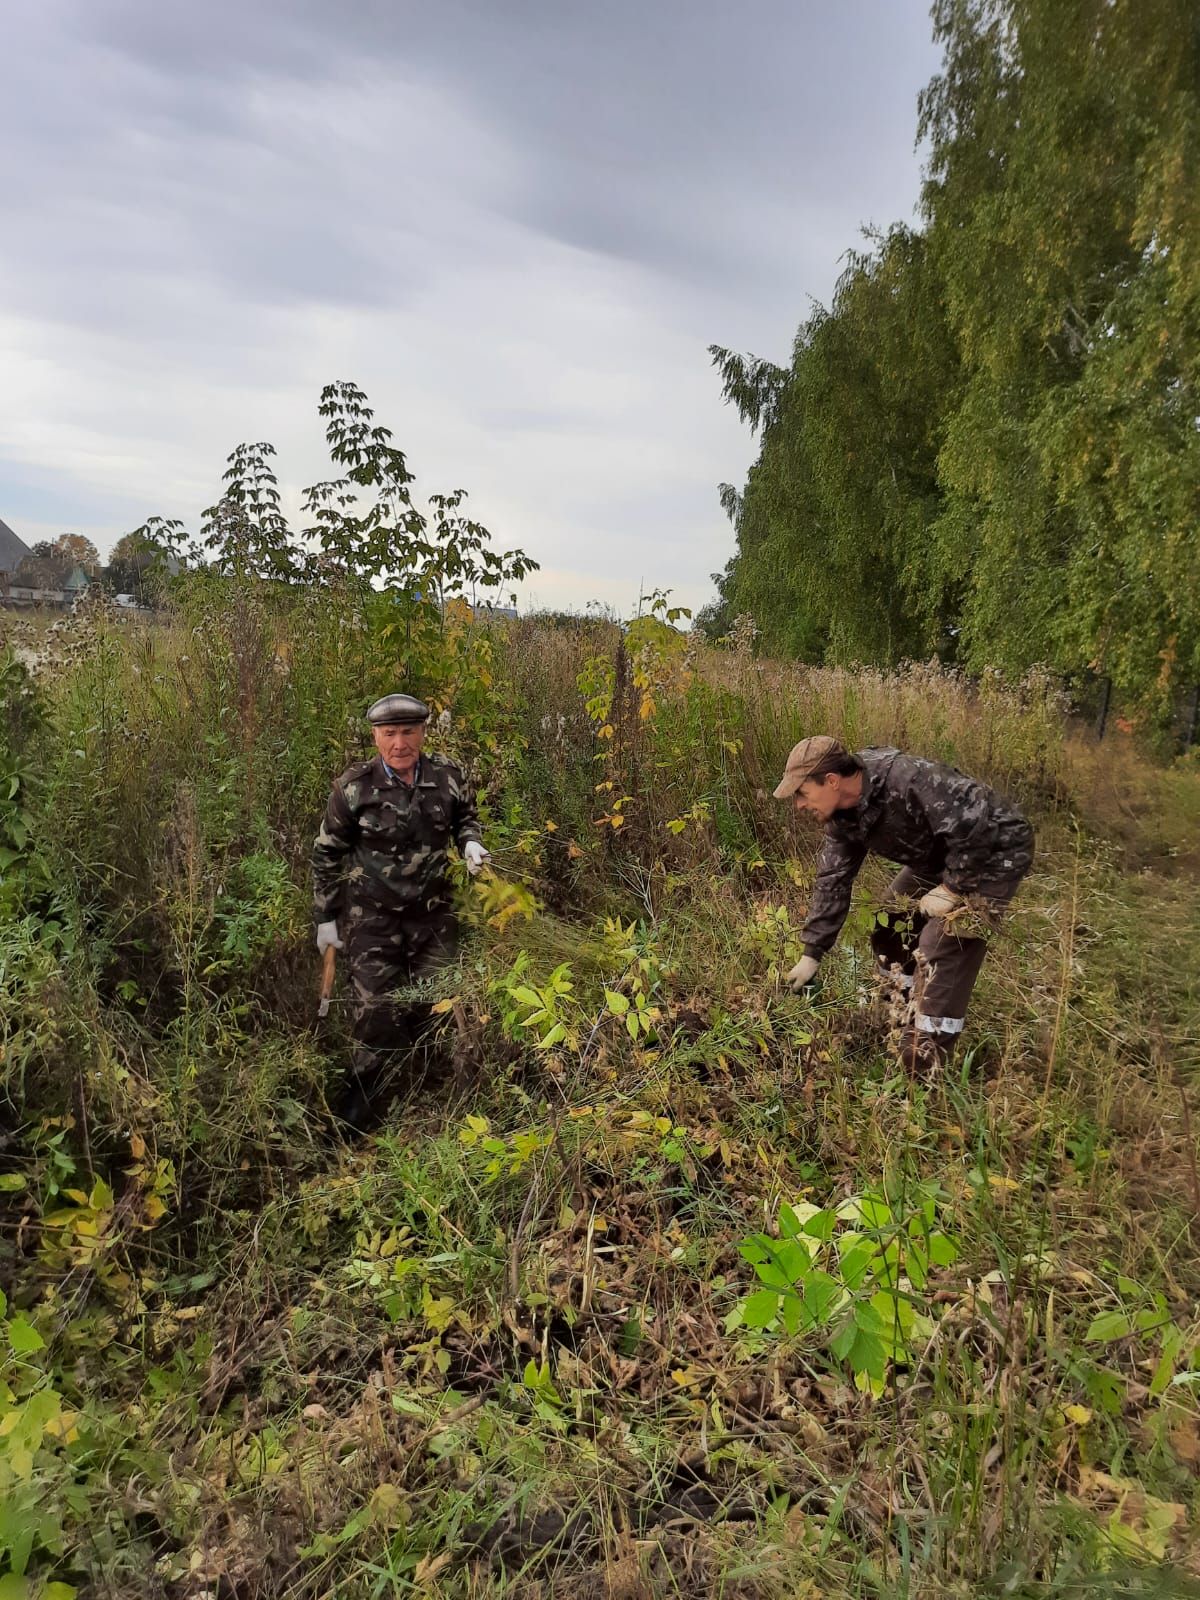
{"x":673,"y":1286}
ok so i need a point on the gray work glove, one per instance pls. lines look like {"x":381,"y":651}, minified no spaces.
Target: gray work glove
{"x":327,"y":937}
{"x":475,"y":855}
{"x":940,"y":902}
{"x":802,"y":974}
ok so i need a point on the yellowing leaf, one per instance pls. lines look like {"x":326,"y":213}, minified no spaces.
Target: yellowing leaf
{"x":617,"y":820}
{"x":429,"y":1566}
{"x":137,"y":1146}
{"x":63,"y":1427}
{"x":1185,"y":1441}
{"x":440,"y":1007}
{"x":551,"y":827}
{"x":438,"y":1310}
{"x":1077,"y":1414}
{"x":386,"y":1504}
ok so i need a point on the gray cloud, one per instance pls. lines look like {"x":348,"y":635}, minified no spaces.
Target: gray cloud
{"x":517,"y":226}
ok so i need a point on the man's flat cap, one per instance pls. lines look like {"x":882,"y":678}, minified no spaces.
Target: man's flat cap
{"x":805,"y":758}
{"x":397,"y":708}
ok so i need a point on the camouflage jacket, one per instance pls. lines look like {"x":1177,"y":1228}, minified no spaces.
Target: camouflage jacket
{"x":922,"y":815}
{"x":383,"y":843}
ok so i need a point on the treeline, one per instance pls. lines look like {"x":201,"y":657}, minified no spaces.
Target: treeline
{"x":988,"y":447}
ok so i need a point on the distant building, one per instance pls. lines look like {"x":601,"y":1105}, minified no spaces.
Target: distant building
{"x":74,"y":584}
{"x":12,"y":551}
{"x":24,"y":595}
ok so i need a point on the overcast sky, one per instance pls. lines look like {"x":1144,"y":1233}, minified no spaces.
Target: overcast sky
{"x":517,"y":224}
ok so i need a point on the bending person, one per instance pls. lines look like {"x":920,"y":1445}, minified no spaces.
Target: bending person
{"x":963,"y":850}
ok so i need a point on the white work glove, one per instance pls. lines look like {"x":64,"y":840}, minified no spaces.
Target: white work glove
{"x":474,"y":855}
{"x":803,"y":973}
{"x":327,"y":937}
{"x":940,"y":902}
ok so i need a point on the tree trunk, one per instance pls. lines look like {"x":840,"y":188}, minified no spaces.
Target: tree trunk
{"x":1102,"y":714}
{"x":1191,"y":720}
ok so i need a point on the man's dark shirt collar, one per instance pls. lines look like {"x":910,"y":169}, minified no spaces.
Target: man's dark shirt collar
{"x":394,"y":776}
{"x":423,"y":774}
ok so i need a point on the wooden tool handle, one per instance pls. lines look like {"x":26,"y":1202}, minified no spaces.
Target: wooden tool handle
{"x":329,"y":962}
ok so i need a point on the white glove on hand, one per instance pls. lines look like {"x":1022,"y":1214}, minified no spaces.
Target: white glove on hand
{"x":802,"y":974}
{"x":940,"y":902}
{"x":327,"y":937}
{"x":474,"y":855}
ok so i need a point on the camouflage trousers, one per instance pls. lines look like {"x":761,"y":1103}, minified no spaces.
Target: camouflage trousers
{"x":394,"y":960}
{"x":936,"y":960}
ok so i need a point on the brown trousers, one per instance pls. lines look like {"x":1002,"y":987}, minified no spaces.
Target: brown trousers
{"x":936,"y":957}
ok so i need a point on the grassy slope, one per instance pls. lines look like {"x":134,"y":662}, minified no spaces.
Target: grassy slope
{"x":475,"y":1360}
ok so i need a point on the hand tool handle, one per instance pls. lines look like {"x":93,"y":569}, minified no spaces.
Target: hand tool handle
{"x":329,"y":961}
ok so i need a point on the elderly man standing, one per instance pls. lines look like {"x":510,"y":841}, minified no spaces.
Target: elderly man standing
{"x":381,"y":890}
{"x":963,"y":851}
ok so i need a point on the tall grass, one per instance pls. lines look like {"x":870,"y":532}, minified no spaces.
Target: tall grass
{"x":495,"y":1351}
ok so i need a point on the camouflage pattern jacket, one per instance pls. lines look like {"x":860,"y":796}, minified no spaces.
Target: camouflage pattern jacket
{"x":922,"y":815}
{"x":383,"y":844}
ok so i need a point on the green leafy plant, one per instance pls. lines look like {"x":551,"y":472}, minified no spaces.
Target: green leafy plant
{"x":632,"y":995}
{"x":1143,"y":1318}
{"x":257,"y":905}
{"x":548,"y":1404}
{"x":38,"y":1492}
{"x":543,"y":1010}
{"x":852,"y":1277}
{"x":507,"y":1155}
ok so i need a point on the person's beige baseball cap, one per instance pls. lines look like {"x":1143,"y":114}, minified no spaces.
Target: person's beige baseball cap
{"x":805,"y":756}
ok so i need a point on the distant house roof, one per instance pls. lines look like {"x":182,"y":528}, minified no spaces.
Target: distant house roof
{"x":77,"y":579}
{"x":12,"y":550}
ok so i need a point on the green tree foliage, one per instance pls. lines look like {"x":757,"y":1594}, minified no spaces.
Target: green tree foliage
{"x":51,"y":562}
{"x":139,"y":561}
{"x":366,"y":529}
{"x":988,"y":445}
{"x":833,"y":524}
